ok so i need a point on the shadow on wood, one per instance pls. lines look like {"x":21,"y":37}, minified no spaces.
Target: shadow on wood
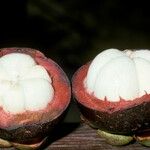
{"x":62,"y":130}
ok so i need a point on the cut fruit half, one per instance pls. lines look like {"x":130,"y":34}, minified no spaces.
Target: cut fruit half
{"x":34,"y":94}
{"x":113,"y":91}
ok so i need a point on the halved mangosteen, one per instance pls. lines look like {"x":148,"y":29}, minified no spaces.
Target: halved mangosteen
{"x":113,"y":94}
{"x":34,"y":94}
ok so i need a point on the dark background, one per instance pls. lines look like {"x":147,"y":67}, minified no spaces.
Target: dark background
{"x":72,"y":32}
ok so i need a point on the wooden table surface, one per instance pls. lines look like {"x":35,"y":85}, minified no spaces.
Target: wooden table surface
{"x":85,"y":138}
{"x":72,"y":136}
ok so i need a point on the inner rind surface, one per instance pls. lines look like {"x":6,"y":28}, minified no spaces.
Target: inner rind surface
{"x":116,"y":75}
{"x":24,"y":85}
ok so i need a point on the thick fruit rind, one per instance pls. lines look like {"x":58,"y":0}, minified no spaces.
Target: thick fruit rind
{"x":33,"y":126}
{"x":121,"y":122}
{"x":33,"y":133}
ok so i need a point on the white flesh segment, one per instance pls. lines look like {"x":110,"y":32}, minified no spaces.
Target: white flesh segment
{"x":145,"y":54}
{"x":38,"y":92}
{"x":37,"y":72}
{"x":19,"y":73}
{"x":117,"y":79}
{"x":143,"y":72}
{"x":3,"y":74}
{"x":16,"y":64}
{"x":4,"y":88}
{"x":97,"y":64}
{"x":13,"y":99}
{"x":1,"y":101}
{"x":113,"y":77}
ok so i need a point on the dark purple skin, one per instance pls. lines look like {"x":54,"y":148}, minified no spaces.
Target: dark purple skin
{"x":30,"y":134}
{"x":125,"y":122}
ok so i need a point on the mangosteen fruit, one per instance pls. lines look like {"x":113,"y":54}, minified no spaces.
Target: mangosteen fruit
{"x":113,"y":95}
{"x":34,"y":95}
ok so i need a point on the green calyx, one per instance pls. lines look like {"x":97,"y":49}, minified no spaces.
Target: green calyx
{"x":143,"y":140}
{"x":7,"y":144}
{"x":115,"y":139}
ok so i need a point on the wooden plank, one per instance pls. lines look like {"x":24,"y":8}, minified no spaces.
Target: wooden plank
{"x":75,"y":136}
{"x":83,"y":137}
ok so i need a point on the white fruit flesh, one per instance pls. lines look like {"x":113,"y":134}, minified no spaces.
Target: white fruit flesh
{"x":24,"y":85}
{"x":115,"y":74}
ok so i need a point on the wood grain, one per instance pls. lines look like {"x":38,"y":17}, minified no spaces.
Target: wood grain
{"x":85,"y":138}
{"x":74,"y":136}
